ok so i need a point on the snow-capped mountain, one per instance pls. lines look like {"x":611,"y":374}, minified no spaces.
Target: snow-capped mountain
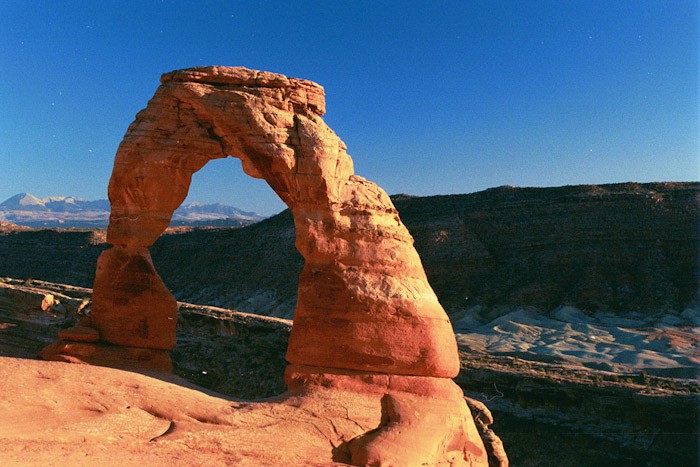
{"x":65,"y":211}
{"x":29,"y":202}
{"x":199,"y":211}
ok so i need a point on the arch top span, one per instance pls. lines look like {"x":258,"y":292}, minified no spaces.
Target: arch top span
{"x":270,"y":122}
{"x":302,"y":92}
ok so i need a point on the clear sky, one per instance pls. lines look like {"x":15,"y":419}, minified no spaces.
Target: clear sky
{"x":431,"y":97}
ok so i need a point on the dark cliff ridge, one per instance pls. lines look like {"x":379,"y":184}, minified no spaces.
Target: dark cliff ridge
{"x":619,"y":248}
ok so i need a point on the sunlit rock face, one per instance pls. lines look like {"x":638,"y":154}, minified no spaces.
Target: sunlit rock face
{"x":365,"y":309}
{"x":364,"y":301}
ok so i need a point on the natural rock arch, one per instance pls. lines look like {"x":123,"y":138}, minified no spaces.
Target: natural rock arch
{"x":366,"y":318}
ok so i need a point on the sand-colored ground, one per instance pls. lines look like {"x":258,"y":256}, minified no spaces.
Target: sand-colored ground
{"x":65,"y":414}
{"x":667,"y":344}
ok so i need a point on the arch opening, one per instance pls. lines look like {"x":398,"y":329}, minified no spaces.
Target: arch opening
{"x":223,"y":181}
{"x":229,"y":257}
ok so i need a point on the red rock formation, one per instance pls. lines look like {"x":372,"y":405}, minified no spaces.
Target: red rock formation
{"x":424,"y":420}
{"x":366,"y":317}
{"x":133,"y":307}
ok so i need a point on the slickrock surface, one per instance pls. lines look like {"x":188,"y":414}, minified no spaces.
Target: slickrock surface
{"x":92,"y":415}
{"x":56,"y":413}
{"x":366,"y":321}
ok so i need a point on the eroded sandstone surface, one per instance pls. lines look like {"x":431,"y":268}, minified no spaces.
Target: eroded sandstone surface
{"x":59,"y":413}
{"x":366,"y":322}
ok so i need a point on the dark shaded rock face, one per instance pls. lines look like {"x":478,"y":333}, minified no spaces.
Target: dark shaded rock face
{"x":588,"y":418}
{"x":622,"y":247}
{"x":255,"y":269}
{"x":65,"y":256}
{"x":231,"y":353}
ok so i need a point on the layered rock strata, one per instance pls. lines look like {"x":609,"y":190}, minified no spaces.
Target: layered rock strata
{"x":366,"y":318}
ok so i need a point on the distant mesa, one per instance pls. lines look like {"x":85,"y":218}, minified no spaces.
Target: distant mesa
{"x":25,"y":209}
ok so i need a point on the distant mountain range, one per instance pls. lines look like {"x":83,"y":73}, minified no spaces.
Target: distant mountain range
{"x":65,"y":211}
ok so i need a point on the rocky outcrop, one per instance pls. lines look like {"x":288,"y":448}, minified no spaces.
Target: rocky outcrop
{"x":10,"y":227}
{"x":366,"y":319}
{"x":494,"y":445}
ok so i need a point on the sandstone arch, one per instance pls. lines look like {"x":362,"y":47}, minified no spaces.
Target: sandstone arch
{"x":364,"y":301}
{"x":366,"y":318}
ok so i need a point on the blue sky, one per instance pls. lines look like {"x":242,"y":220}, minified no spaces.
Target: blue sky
{"x":430,"y":97}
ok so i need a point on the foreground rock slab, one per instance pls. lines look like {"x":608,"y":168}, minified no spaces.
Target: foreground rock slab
{"x":58,"y":413}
